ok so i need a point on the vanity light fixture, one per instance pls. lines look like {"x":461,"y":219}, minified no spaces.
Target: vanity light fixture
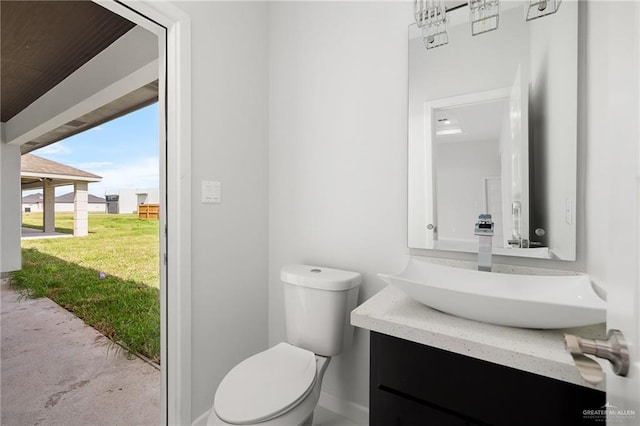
{"x":484,"y":15}
{"x":540,"y":8}
{"x":431,"y":17}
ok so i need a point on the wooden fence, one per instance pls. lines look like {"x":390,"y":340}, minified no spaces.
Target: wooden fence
{"x":149,"y":211}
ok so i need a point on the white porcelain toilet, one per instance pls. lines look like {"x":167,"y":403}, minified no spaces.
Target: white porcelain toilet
{"x":281,"y":386}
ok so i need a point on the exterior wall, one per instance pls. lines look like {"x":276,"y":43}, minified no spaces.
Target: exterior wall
{"x":33,"y":207}
{"x":130,"y":198}
{"x":63,"y":207}
{"x":91,"y":207}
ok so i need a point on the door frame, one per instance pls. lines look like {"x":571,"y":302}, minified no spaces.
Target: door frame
{"x":173,"y":27}
{"x":622,"y":253}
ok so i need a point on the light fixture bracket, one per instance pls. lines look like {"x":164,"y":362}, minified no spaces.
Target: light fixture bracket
{"x":540,"y":8}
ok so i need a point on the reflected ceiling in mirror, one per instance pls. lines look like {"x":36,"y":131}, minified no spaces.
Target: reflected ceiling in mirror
{"x":492,"y":129}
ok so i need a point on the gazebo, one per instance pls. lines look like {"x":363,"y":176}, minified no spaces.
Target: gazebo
{"x":37,"y":172}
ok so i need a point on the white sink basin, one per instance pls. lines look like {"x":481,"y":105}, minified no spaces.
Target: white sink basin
{"x":527,"y":301}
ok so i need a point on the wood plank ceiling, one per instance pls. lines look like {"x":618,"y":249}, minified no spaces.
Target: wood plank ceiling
{"x":42,"y":43}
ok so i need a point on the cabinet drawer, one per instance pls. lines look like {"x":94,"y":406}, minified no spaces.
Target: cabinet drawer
{"x":390,"y":409}
{"x":477,"y":390}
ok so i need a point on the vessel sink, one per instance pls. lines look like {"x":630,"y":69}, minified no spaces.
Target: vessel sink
{"x":526,"y":301}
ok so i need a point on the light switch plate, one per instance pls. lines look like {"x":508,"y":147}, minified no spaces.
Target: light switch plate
{"x":211,"y":192}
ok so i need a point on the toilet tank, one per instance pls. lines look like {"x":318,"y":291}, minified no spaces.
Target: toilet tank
{"x":318,"y":303}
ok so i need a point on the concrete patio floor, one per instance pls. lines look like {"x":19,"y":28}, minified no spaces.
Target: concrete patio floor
{"x":34,"y":234}
{"x":56,"y":370}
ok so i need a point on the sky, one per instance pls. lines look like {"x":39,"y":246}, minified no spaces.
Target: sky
{"x":123,"y":151}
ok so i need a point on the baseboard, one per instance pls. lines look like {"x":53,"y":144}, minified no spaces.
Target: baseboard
{"x":201,"y":420}
{"x":350,"y":410}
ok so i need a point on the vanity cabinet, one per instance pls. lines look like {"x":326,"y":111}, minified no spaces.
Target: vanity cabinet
{"x":413,"y":384}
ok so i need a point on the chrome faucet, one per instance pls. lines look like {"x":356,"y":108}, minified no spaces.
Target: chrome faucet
{"x":484,"y":231}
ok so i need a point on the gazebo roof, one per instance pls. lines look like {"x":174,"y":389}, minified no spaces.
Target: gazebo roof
{"x":33,"y":198}
{"x":64,"y":198}
{"x":68,"y":198}
{"x":34,"y":169}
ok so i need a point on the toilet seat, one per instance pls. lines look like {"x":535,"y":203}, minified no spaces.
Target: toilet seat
{"x":266,"y":385}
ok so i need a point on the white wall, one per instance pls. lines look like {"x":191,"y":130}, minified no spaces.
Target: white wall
{"x":337,"y":154}
{"x":10,"y":256}
{"x":229,"y":144}
{"x":325,"y":84}
{"x":63,"y":207}
{"x":68,"y":207}
{"x":130,"y":198}
{"x":338,"y":146}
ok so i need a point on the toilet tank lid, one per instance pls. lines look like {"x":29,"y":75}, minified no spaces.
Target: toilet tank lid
{"x":320,"y":277}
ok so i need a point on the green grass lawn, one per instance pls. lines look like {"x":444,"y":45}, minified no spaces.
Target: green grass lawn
{"x":110,"y":278}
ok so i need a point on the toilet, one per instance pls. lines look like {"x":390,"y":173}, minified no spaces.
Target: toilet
{"x":281,"y":386}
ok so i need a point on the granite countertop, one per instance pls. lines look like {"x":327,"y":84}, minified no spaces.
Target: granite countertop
{"x":541,"y":352}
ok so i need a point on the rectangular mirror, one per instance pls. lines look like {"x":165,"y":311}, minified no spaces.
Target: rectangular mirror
{"x":493,"y":129}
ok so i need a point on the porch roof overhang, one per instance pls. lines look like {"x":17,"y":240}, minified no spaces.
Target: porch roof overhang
{"x":34,"y":182}
{"x":52,"y":80}
{"x":35,"y":170}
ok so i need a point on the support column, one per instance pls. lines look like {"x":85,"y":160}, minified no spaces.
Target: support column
{"x":10,"y":205}
{"x":80,"y":209}
{"x":49,"y":207}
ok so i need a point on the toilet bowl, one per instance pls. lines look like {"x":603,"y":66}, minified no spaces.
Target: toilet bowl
{"x":252,"y":394}
{"x":281,"y":385}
